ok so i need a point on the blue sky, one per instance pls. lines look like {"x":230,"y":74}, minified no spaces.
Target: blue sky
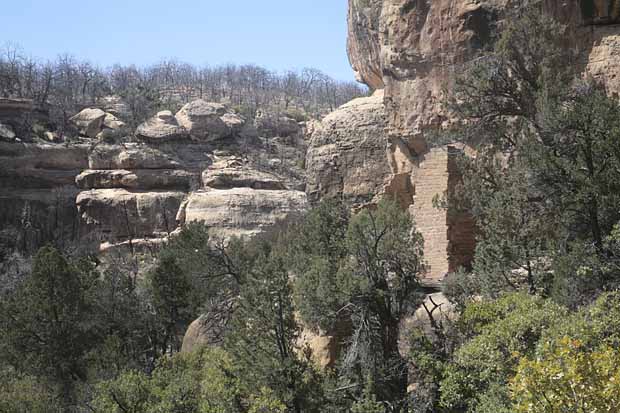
{"x":278,"y":34}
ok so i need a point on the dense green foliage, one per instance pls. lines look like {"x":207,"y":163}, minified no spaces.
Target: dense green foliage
{"x":361,"y":276}
{"x":543,"y":188}
{"x":568,"y":376}
{"x":110,"y":340}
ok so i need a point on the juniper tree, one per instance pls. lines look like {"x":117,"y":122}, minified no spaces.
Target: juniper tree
{"x":47,"y":323}
{"x":366,"y":280}
{"x":544,"y":180}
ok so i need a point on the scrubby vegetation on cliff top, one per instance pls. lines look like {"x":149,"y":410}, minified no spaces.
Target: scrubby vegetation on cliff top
{"x":537,"y":327}
{"x":68,"y":85}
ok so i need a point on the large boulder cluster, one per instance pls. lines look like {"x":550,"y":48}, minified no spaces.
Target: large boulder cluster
{"x":144,"y":192}
{"x":161,"y":128}
{"x":199,"y":120}
{"x":96,"y":124}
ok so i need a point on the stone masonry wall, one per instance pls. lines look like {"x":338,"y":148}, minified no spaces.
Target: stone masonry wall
{"x":431,"y":179}
{"x":449,"y":236}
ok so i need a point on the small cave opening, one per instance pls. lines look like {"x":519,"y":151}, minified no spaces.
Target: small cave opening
{"x":600,"y":12}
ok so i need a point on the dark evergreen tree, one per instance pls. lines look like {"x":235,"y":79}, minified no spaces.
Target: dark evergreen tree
{"x":169,"y":291}
{"x":264,"y":338}
{"x":47,"y":325}
{"x":366,"y":281}
{"x":543,"y":183}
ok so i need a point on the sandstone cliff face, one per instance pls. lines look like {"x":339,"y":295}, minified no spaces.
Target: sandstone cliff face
{"x":418,"y":46}
{"x":37,"y":193}
{"x":422,"y":44}
{"x":143,"y":191}
{"x":363,"y":42}
{"x":347,"y":154}
{"x":204,"y":164}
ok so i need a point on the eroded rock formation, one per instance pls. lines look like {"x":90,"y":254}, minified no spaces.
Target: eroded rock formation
{"x":95,"y":123}
{"x":161,"y":128}
{"x":239,"y":199}
{"x":363,"y":42}
{"x":417,"y":46}
{"x":37,"y":192}
{"x":208,"y":163}
{"x":123,"y":190}
{"x":347,"y":156}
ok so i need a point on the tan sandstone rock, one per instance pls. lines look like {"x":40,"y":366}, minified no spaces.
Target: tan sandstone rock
{"x":37,"y":192}
{"x":112,"y":122}
{"x":40,"y":166}
{"x":203,"y":120}
{"x":348,"y":153}
{"x":363,"y":41}
{"x":131,"y":156}
{"x":321,"y":348}
{"x":119,"y":213}
{"x":234,"y":173}
{"x":203,"y":331}
{"x":89,"y":122}
{"x":144,"y":179}
{"x":161,"y":128}
{"x":242,"y":212}
{"x":422,"y":46}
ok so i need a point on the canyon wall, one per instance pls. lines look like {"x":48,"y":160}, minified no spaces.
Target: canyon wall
{"x":417,"y":46}
{"x":111,"y":187}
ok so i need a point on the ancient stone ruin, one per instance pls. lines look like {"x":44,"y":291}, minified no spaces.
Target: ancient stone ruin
{"x":410,"y":50}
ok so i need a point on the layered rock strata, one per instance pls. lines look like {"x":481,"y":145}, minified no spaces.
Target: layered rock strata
{"x":37,"y":193}
{"x":140,"y":190}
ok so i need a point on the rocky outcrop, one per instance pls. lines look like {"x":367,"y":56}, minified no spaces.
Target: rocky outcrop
{"x":131,"y":156}
{"x":434,"y":315}
{"x":363,"y":42}
{"x":417,"y":47}
{"x":322,"y":349}
{"x":116,"y":106}
{"x":112,"y":122}
{"x":603,"y":56}
{"x":40,"y":166}
{"x":20,"y":115}
{"x":242,"y":212}
{"x":116,"y":214}
{"x":347,"y":156}
{"x":414,"y":49}
{"x":140,"y":179}
{"x":7,"y":133}
{"x":89,"y":122}
{"x":205,"y":121}
{"x":238,"y":126}
{"x":147,"y":190}
{"x":161,"y":128}
{"x":37,"y":193}
{"x":205,"y":330}
{"x":135,"y":190}
{"x":233,"y":173}
{"x":198,"y":334}
{"x":95,"y":123}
